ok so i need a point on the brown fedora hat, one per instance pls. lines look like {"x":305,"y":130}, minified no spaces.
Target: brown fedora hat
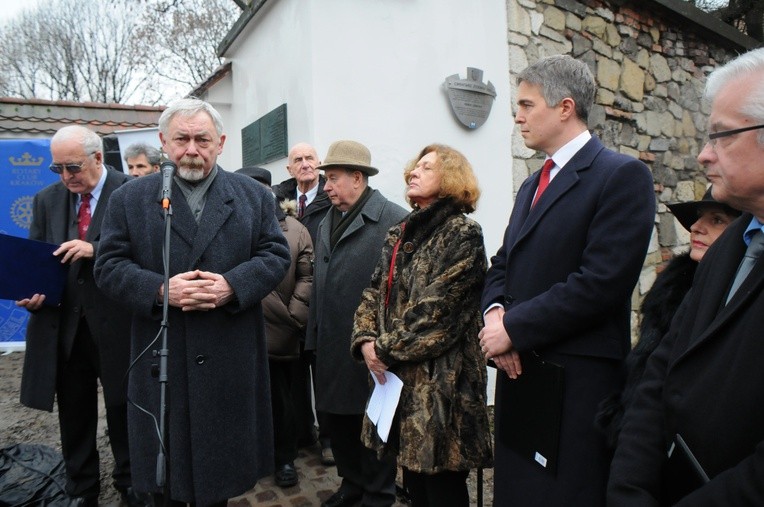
{"x":688,"y":212}
{"x":349,"y":155}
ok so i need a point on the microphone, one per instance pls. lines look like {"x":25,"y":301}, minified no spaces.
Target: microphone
{"x":168,"y":170}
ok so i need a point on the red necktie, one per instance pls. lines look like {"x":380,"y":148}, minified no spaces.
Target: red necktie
{"x":544,"y":180}
{"x":301,"y":208}
{"x":83,"y":216}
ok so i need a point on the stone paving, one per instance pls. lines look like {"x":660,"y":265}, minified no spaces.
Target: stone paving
{"x":319,"y":482}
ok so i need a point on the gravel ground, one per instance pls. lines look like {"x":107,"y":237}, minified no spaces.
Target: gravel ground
{"x":19,"y":424}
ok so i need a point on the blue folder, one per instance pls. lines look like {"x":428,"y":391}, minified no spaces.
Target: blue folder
{"x":28,"y":267}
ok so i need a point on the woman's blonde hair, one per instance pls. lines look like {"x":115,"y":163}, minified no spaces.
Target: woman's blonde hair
{"x":457,"y":179}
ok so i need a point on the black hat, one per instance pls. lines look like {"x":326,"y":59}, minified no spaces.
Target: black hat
{"x":688,"y":212}
{"x":258,"y":173}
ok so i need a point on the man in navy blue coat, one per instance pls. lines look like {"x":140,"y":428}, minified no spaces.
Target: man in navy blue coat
{"x":560,"y":285}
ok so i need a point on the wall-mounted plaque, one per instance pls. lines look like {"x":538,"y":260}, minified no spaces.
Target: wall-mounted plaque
{"x":265,"y":139}
{"x":470,"y":98}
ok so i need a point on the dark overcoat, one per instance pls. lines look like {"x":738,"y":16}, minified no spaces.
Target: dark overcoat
{"x":51,"y":330}
{"x":314,"y":212}
{"x":339,"y":277}
{"x":425,"y":329}
{"x":565,"y":275}
{"x":705,"y":381}
{"x":220,"y":430}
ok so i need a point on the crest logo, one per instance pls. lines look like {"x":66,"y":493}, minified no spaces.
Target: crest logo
{"x":21,"y":211}
{"x":470,"y":98}
{"x":26,"y":160}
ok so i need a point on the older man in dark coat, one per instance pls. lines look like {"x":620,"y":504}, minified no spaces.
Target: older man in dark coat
{"x":227,"y":253}
{"x":86,"y":337}
{"x":705,"y":382}
{"x":348,"y":247}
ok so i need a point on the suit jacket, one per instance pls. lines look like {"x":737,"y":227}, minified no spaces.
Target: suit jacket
{"x":220,"y":430}
{"x":314,"y":212}
{"x":339,"y":277}
{"x":565,"y":274}
{"x":51,"y":331}
{"x":704,"y":381}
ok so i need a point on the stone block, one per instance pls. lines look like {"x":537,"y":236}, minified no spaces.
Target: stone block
{"x":676,"y":110}
{"x":628,"y":151}
{"x":659,"y":144}
{"x":685,"y":191}
{"x":688,"y":125}
{"x":605,"y":13}
{"x":537,"y":21}
{"x":573,"y":6}
{"x":668,"y":124}
{"x":655,"y":33}
{"x":611,"y":36}
{"x":632,"y":80}
{"x":597,"y":117}
{"x":646,"y":277}
{"x":604,"y":97}
{"x":608,"y":73}
{"x":550,"y":33}
{"x":600,"y":47}
{"x":573,"y":22}
{"x":594,"y":25}
{"x":643,"y":58}
{"x":629,"y":46}
{"x":554,"y":18}
{"x":659,"y":68}
{"x":580,"y":44}
{"x":550,"y":47}
{"x":518,"y":19}
{"x":649,"y":83}
{"x":517,"y":58}
{"x":518,"y":39}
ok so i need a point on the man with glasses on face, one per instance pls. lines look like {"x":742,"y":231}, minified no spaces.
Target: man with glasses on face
{"x":694,"y":433}
{"x":86,"y":338}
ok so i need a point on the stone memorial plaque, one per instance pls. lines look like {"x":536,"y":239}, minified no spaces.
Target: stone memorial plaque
{"x":470,"y":98}
{"x":265,"y":139}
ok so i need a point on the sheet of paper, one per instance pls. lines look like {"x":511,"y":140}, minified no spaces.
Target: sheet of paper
{"x":383,"y":402}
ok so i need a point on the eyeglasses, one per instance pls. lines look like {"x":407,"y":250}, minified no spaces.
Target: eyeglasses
{"x":72,"y":168}
{"x":712,"y":137}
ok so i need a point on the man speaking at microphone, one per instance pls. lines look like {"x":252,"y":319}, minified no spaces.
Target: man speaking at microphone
{"x":227,"y":252}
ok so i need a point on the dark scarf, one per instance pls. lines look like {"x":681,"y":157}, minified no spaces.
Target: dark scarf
{"x":340,"y":222}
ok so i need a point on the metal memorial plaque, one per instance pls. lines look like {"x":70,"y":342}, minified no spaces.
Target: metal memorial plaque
{"x":265,"y":139}
{"x":470,"y":98}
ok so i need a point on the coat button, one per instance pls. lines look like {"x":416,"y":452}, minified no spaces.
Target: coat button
{"x":200,"y":359}
{"x":326,"y":259}
{"x":80,"y":281}
{"x":509,"y":300}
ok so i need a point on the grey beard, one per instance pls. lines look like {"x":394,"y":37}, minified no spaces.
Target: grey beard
{"x":192,"y":175}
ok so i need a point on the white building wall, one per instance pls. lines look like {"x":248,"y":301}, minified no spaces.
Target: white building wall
{"x":373,"y":71}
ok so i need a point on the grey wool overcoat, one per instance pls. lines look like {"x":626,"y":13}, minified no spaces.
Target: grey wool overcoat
{"x":339,"y":277}
{"x":220,"y":432}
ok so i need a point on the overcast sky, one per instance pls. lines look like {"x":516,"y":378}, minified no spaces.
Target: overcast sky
{"x":10,"y":9}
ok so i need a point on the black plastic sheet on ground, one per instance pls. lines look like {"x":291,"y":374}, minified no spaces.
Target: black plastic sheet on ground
{"x":32,"y":476}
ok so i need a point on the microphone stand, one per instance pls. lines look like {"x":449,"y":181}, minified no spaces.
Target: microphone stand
{"x":162,"y":464}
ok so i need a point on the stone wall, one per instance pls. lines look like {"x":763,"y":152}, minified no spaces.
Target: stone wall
{"x":650,"y":68}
